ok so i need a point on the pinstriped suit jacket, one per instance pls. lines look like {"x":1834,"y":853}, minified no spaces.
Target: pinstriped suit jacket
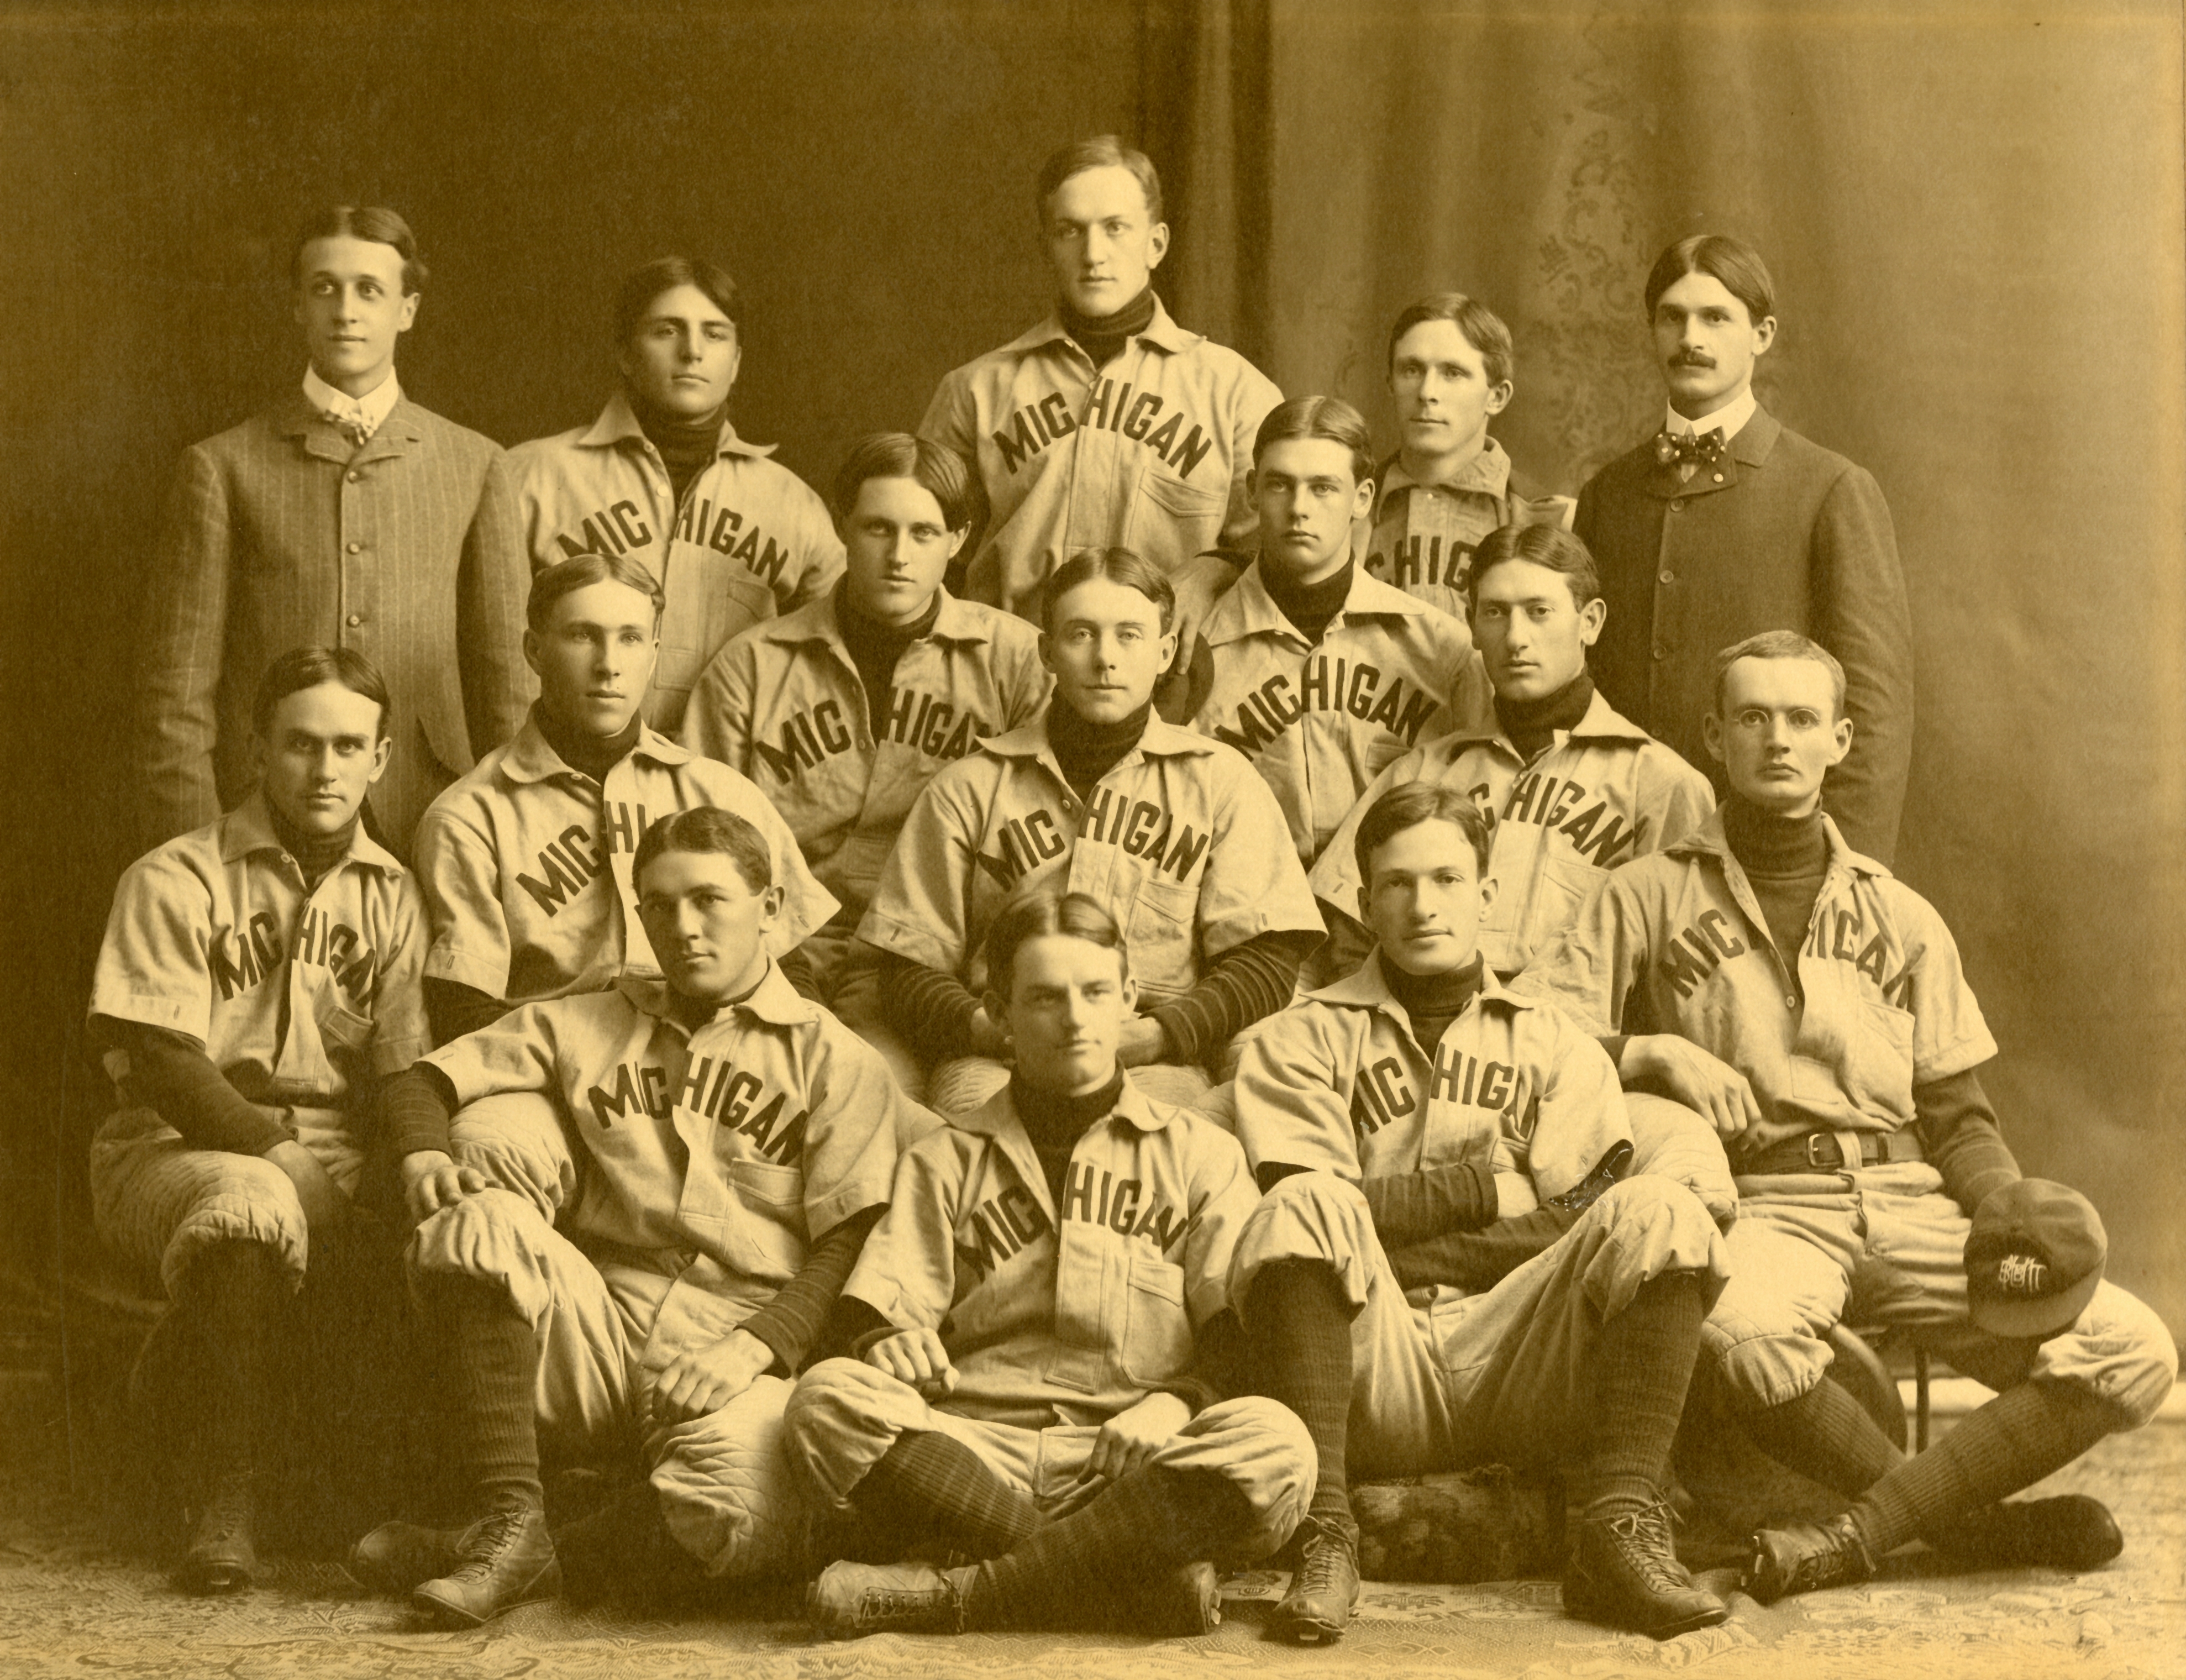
{"x":278,"y":534}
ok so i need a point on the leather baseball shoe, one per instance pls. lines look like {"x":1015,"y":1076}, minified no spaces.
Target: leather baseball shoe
{"x":505,"y":1559}
{"x":1182,"y":1603}
{"x":2071,"y":1531}
{"x":1595,"y":1185}
{"x":223,"y":1553}
{"x":1624,"y":1573}
{"x":399,"y":1557}
{"x":1804,"y":1557}
{"x":1324,"y":1587}
{"x":850,"y":1600}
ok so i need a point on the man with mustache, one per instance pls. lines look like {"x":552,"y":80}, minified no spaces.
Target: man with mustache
{"x":1725,"y":524}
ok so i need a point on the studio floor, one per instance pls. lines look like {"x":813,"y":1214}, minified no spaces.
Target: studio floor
{"x":73,"y":1602}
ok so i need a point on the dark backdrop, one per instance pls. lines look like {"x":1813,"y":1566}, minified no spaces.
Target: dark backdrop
{"x":1975,"y":223}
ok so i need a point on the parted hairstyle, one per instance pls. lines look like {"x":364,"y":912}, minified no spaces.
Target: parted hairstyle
{"x":1781,"y":644}
{"x":1117,"y":565}
{"x":664,"y":274}
{"x":1482,"y":328}
{"x":1408,"y":807}
{"x":1103,"y":151}
{"x":374,"y":222}
{"x":1320,"y":416}
{"x":1037,"y":914}
{"x":303,"y":668}
{"x":1736,"y":264}
{"x":936,"y":467}
{"x":708,"y":828}
{"x":582,"y":571}
{"x":1539,"y":543}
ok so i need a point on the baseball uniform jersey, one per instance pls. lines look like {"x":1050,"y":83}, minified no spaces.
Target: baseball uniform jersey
{"x":1337,"y":1082}
{"x":783,"y":704}
{"x":1677,"y":943}
{"x":299,"y":997}
{"x":1320,"y":722}
{"x":1420,"y":535}
{"x":526,"y":864}
{"x":748,"y":541}
{"x":1149,"y":453}
{"x":1181,"y":841}
{"x":1597,"y":797}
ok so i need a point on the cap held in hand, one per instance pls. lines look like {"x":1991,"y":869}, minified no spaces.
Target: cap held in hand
{"x":2033,"y":1258}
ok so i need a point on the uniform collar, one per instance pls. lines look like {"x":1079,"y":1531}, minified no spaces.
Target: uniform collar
{"x":774,"y":1000}
{"x":997,"y":1117}
{"x":1487,"y":470}
{"x":1708,"y":840}
{"x":816,"y":621}
{"x":249,"y":828}
{"x":1161,"y":740}
{"x":1162,"y":333}
{"x":1247,"y":609}
{"x":617,"y":425}
{"x":530,"y":758}
{"x":1365,"y":988}
{"x":1602,"y":722}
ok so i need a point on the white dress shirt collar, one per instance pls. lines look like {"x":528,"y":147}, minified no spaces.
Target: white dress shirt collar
{"x":372,"y":407}
{"x":1730,"y":419}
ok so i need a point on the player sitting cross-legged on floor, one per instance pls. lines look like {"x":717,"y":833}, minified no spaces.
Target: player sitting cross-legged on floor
{"x":1446,"y":1269}
{"x":1044,"y":1342}
{"x":735,"y":1143}
{"x":257,"y":979}
{"x":1772,"y":977}
{"x":1171,"y":833}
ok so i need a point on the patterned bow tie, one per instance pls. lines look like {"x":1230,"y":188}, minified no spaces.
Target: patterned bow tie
{"x":1689,"y":451}
{"x":354,"y":426}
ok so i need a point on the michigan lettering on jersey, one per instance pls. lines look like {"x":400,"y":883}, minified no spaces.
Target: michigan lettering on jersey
{"x":1423,"y":559}
{"x":1838,"y":935}
{"x":1137,"y":827}
{"x":1383,"y":1093}
{"x":1326,"y":685}
{"x":567,"y":865}
{"x":920,"y":721}
{"x":700,"y":522}
{"x":240,"y":958}
{"x":617,"y":529}
{"x":724,"y":1094}
{"x":1594,"y":830}
{"x":997,"y":1230}
{"x":1122,"y":1205}
{"x":1034,"y":427}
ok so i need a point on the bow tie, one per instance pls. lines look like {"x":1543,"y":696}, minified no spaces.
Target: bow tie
{"x":354,"y":426}
{"x":1689,"y":451}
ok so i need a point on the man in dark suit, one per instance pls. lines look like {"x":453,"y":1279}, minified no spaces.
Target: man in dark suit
{"x":1725,"y":524}
{"x":344,"y":515}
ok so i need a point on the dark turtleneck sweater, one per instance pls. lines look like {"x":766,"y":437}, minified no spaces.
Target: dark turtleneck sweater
{"x":1103,"y":337}
{"x":592,"y":755}
{"x":1531,"y":725}
{"x":875,"y":648}
{"x":315,"y":855}
{"x":687,"y":447}
{"x":1054,"y":1122}
{"x":1309,"y":607}
{"x":1088,"y":751}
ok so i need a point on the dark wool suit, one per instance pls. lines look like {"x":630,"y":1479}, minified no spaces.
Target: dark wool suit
{"x":1781,"y":534}
{"x":278,"y":534}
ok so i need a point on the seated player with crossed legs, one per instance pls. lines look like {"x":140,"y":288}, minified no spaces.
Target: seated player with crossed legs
{"x":1426,"y":1137}
{"x":1814,"y":1007}
{"x":1044,"y":1342}
{"x":258,"y":978}
{"x":736,"y":1143}
{"x":1174,"y":834}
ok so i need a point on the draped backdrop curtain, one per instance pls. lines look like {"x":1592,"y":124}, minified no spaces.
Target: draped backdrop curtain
{"x":1973,"y":216}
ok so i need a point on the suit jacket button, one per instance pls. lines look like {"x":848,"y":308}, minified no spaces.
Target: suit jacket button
{"x":1662,"y":652}
{"x":1669,"y":577}
{"x":356,"y":548}
{"x":355,"y":619}
{"x":1677,"y":507}
{"x":355,"y":476}
{"x":1718,"y":478}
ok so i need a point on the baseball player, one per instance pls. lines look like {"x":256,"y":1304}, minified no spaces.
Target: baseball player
{"x":736,"y":1144}
{"x":1317,"y":673}
{"x":1042,"y":1340}
{"x":257,"y":978}
{"x":1574,"y":789}
{"x":1420,"y":1129}
{"x":1172,"y":832}
{"x":1449,"y":484}
{"x":1108,"y":424}
{"x":843,"y":710}
{"x":662,"y":477}
{"x":1766,"y":974}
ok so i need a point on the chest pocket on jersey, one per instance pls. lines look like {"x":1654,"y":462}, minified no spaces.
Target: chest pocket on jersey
{"x":344,"y":1029}
{"x":1171,"y":521}
{"x":710,"y":599}
{"x":1886,"y":1051}
{"x":1157,"y":1342}
{"x":777,"y":1190}
{"x":1159,"y":933}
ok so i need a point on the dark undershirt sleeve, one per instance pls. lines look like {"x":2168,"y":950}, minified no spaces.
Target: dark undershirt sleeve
{"x":1245,"y":983}
{"x":171,"y":1071}
{"x":790,"y":1324}
{"x":414,"y":1108}
{"x":1958,"y":1129}
{"x":1217,"y":1369}
{"x":851,"y":1327}
{"x":934,"y":1009}
{"x":1410,"y":1208}
{"x":796,"y":968}
{"x":1478,"y":1260}
{"x":455,"y":1009}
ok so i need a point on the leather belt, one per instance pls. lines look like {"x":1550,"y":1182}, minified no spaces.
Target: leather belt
{"x":1833,"y":1152}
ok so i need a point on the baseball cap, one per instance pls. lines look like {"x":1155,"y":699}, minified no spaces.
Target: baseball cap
{"x":2033,"y":1258}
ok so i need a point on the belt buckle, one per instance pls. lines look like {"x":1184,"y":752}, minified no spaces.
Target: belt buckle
{"x":1816,"y":1139}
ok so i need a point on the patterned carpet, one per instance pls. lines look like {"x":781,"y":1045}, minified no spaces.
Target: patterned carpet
{"x":73,"y":1603}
